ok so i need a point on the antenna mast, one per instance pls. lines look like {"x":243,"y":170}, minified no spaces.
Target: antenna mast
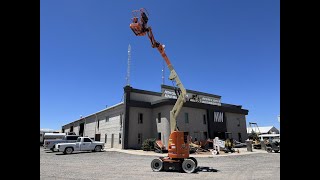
{"x":128,"y":67}
{"x":163,"y":72}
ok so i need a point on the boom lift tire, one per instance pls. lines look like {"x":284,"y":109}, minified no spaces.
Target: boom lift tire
{"x":188,"y":166}
{"x":195,"y":160}
{"x":156,"y":165}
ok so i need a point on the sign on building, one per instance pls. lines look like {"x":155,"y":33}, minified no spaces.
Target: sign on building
{"x":193,"y":97}
{"x":217,"y":116}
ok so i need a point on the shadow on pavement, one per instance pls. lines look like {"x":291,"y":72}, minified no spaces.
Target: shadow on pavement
{"x":51,"y":151}
{"x":205,"y":169}
{"x":82,"y":152}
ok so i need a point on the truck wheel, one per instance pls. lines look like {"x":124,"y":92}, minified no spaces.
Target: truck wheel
{"x":97,"y":149}
{"x":68,"y":150}
{"x":52,"y":149}
{"x":188,"y":166}
{"x":156,"y":165}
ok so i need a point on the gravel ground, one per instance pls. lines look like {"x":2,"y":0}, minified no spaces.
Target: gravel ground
{"x":116,"y":165}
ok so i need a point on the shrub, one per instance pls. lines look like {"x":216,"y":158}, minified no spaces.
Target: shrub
{"x":148,"y":144}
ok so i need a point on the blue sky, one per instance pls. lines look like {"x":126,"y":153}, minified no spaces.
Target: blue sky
{"x":226,"y":47}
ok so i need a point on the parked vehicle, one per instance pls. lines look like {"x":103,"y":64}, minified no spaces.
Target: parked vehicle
{"x":273,"y":145}
{"x":82,"y":144}
{"x":54,"y":135}
{"x":269,"y":137}
{"x":43,"y":132}
{"x":49,"y":143}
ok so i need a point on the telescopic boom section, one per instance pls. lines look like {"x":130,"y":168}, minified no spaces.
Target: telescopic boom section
{"x":140,"y":28}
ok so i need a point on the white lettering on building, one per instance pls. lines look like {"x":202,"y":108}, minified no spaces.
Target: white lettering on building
{"x":170,"y":94}
{"x":194,"y":98}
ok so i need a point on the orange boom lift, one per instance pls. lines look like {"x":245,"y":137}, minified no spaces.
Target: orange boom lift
{"x":178,"y":146}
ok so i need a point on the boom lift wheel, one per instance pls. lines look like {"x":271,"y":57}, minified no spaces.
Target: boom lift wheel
{"x":156,"y":165}
{"x":195,"y":160}
{"x":188,"y":166}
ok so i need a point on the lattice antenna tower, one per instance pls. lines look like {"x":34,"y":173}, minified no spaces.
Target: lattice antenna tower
{"x":128,"y":67}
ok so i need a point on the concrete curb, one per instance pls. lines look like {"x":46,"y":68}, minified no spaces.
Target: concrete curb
{"x":151,"y":153}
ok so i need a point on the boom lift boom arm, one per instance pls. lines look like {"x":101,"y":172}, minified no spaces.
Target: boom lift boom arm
{"x":140,"y":29}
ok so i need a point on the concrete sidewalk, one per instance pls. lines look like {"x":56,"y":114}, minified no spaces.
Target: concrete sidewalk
{"x":242,"y":151}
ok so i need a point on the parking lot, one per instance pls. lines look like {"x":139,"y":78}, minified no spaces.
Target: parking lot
{"x":118,"y":165}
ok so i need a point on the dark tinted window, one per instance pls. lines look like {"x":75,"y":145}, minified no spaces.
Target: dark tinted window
{"x":140,"y":118}
{"x":87,"y":140}
{"x":72,"y":137}
{"x":186,"y":118}
{"x":159,"y":117}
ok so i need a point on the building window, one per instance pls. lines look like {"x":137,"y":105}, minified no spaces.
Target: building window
{"x":238,"y":121}
{"x":240,"y":138}
{"x":205,"y":134}
{"x":186,"y":118}
{"x":204,"y":119}
{"x":140,"y":118}
{"x":139,"y":138}
{"x":159,"y":135}
{"x":186,"y":137}
{"x":107,"y":118}
{"x":98,"y":123}
{"x":71,"y":129}
{"x":159,"y":117}
{"x":119,"y":138}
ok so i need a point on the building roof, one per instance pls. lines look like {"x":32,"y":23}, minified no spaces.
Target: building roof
{"x":263,"y":130}
{"x":110,"y":107}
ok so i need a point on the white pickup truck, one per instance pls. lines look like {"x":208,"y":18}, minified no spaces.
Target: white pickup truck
{"x":50,"y":143}
{"x":82,"y":144}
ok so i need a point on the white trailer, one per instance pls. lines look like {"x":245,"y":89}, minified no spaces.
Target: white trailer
{"x":42,"y":132}
{"x":54,"y":135}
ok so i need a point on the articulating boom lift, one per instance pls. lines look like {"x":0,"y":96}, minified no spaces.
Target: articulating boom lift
{"x":178,"y":146}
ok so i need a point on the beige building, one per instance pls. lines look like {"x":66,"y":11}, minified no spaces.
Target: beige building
{"x":145,"y":114}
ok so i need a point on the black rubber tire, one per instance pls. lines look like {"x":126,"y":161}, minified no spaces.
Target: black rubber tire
{"x":269,"y":150}
{"x":188,"y":166}
{"x":68,"y":150}
{"x":195,"y":160}
{"x":97,"y":149}
{"x":156,"y":165}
